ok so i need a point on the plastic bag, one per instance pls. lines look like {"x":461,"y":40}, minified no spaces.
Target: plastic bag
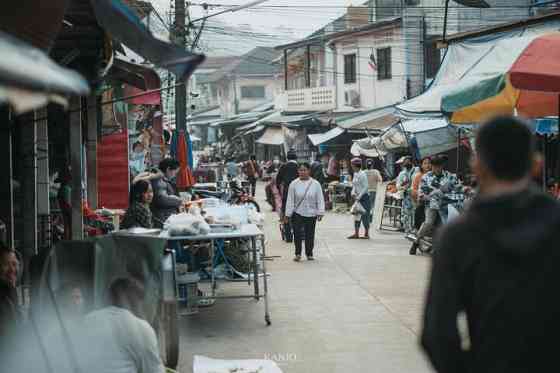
{"x":357,"y":209}
{"x":186,"y":225}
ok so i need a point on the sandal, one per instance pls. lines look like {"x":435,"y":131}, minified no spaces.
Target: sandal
{"x":365,"y":237}
{"x":353,"y":237}
{"x":297,"y":258}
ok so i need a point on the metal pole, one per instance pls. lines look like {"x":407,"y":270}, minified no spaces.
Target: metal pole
{"x":6,"y":164}
{"x":285,"y":69}
{"x":28,"y":155}
{"x":445,"y":20}
{"x":308,"y":67}
{"x":77,"y":230}
{"x":91,"y":149}
{"x":180,"y":91}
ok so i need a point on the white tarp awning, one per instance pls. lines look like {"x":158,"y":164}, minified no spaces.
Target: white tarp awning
{"x":272,"y":136}
{"x":422,"y":125}
{"x":472,"y":59}
{"x":358,"y":151}
{"x":377,"y":119}
{"x":319,"y":138}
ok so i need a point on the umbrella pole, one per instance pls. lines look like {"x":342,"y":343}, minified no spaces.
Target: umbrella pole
{"x":458,"y":150}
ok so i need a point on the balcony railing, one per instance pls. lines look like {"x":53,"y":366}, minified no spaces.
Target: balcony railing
{"x":308,"y":99}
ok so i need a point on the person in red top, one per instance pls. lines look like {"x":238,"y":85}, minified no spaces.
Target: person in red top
{"x":252,"y":170}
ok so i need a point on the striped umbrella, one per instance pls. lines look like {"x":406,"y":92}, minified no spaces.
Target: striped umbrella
{"x":519,"y":76}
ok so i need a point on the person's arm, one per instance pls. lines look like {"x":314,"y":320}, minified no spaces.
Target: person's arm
{"x":165,"y":200}
{"x":415,"y":185}
{"x":440,"y":335}
{"x":280,"y":176}
{"x":149,"y":354}
{"x":364,"y":185}
{"x":320,"y":200}
{"x":291,"y":200}
{"x":379,"y":177}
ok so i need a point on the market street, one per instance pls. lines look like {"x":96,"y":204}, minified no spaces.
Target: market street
{"x":357,"y":308}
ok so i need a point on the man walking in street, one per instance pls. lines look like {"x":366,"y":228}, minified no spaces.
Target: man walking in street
{"x":252,"y":170}
{"x":287,"y":173}
{"x":498,"y":263}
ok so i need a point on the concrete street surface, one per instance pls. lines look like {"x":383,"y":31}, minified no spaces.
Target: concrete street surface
{"x":356,"y":308}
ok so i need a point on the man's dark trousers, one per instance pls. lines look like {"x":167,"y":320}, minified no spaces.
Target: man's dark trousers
{"x":304,"y":230}
{"x":253,"y":183}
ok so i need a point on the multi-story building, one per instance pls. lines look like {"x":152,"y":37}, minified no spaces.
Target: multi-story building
{"x":246,"y":83}
{"x":379,"y":54}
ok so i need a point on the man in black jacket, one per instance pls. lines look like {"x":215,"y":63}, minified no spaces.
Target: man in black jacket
{"x":9,"y":309}
{"x":498,"y":263}
{"x":287,"y":173}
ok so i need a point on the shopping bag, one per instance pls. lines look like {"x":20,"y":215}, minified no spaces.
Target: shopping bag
{"x":357,"y":209}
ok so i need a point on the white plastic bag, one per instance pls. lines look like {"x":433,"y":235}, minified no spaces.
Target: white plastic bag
{"x":186,"y":225}
{"x":357,"y":209}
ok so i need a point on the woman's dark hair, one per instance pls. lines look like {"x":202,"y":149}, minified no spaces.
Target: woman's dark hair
{"x":138,"y":189}
{"x":168,"y":164}
{"x":304,"y":164}
{"x":439,"y":160}
{"x":137,"y":143}
{"x":129,"y":294}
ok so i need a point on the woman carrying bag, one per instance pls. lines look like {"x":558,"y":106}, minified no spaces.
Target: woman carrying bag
{"x":304,"y":206}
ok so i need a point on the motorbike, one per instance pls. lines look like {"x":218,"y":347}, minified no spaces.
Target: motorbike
{"x":234,"y":195}
{"x":452,"y":205}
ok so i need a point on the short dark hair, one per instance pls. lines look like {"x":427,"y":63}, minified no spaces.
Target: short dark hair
{"x":5,"y":250}
{"x":129,"y":294}
{"x":168,"y":163}
{"x":304,"y":164}
{"x":505,"y":145}
{"x":291,"y":155}
{"x":253,"y":157}
{"x":138,"y":189}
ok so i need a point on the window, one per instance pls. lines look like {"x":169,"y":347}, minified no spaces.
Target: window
{"x":256,"y":91}
{"x":433,"y":60}
{"x":384,"y":64}
{"x":350,"y":68}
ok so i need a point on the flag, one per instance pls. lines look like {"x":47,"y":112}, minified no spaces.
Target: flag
{"x":372,"y":63}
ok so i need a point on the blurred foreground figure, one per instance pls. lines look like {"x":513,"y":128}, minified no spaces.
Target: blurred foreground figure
{"x":9,"y":309}
{"x":498,"y":263}
{"x":119,"y":339}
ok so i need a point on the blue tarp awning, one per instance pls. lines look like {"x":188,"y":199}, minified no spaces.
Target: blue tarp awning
{"x":125,"y":26}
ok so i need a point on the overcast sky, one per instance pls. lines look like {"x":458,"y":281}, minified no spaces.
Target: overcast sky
{"x":272,"y":23}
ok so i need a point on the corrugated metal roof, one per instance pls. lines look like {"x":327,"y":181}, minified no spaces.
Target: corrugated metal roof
{"x":376,"y":119}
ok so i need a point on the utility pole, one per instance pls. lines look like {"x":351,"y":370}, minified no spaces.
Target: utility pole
{"x":180,"y":89}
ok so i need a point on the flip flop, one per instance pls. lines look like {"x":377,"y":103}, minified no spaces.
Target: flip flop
{"x":353,"y":237}
{"x":365,"y":238}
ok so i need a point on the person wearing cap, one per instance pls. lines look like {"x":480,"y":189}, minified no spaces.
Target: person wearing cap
{"x":433,"y":186}
{"x":360,"y":193}
{"x":287,"y":173}
{"x":404,"y":186}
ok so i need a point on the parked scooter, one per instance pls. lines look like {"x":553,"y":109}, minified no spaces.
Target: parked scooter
{"x":234,"y":195}
{"x":452,"y":207}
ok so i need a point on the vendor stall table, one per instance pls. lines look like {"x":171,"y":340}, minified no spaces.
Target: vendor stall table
{"x":249,"y":231}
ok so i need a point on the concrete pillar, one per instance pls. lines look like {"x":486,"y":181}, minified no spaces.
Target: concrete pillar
{"x":91,"y":149}
{"x":29,"y":183}
{"x":43,"y":182}
{"x":6,"y":164}
{"x":76,"y":164}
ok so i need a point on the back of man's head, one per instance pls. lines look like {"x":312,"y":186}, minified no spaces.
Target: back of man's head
{"x":129,"y":294}
{"x":292,"y":155}
{"x":505,"y":147}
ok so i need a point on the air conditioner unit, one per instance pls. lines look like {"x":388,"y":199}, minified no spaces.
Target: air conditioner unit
{"x":352,"y":98}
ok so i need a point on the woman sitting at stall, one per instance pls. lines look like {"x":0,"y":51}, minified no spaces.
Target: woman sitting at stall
{"x":138,"y":213}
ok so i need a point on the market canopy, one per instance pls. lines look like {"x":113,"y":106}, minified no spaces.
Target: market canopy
{"x":320,"y":138}
{"x":427,"y":137}
{"x":376,"y":119}
{"x":489,"y":90}
{"x":126,"y":27}
{"x":272,"y":136}
{"x":470,"y":61}
{"x":29,"y":78}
